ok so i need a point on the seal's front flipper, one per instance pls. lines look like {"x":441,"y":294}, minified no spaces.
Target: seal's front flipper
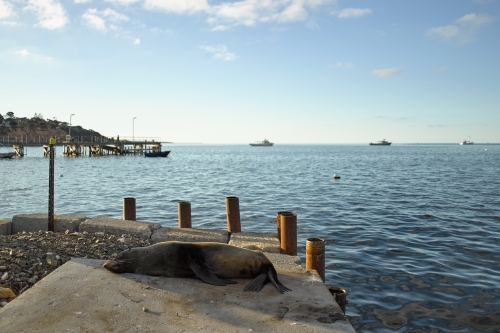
{"x":202,"y":270}
{"x":257,"y":283}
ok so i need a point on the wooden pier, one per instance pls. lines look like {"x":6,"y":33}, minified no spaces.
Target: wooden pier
{"x":94,"y":146}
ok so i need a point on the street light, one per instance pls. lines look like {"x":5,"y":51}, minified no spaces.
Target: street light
{"x":133,"y":136}
{"x":70,"y":124}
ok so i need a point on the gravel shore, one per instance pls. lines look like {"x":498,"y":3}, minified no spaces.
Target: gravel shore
{"x":26,"y":258}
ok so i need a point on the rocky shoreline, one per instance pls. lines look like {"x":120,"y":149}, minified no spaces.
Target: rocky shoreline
{"x":27,"y":257}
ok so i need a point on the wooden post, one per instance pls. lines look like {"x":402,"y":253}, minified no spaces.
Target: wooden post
{"x":278,"y":222}
{"x":51,"y":185}
{"x":129,"y":209}
{"x":315,"y":255}
{"x":233,"y":214}
{"x":184,"y":214}
{"x":288,"y":242}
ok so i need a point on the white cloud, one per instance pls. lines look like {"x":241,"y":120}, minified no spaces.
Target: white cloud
{"x":441,"y":69}
{"x":352,"y":12}
{"x":387,"y":72}
{"x":464,"y":29}
{"x":22,"y":53}
{"x":122,"y":2}
{"x":244,"y":12}
{"x":6,"y":9}
{"x":82,"y":1}
{"x":446,"y":31}
{"x":137,"y":41}
{"x":51,"y":13}
{"x":102,"y":20}
{"x":219,"y":52}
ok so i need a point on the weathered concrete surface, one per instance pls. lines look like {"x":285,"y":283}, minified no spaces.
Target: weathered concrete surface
{"x":267,"y":242}
{"x":5,"y":227}
{"x":190,"y":235}
{"x":118,"y":226}
{"x":81,"y":296}
{"x":40,"y":222}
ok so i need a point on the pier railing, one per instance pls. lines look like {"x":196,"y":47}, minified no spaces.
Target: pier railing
{"x":32,"y":140}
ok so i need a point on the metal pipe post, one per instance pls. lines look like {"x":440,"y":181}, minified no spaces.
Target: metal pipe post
{"x":51,"y":185}
{"x":315,"y":255}
{"x":288,"y":242}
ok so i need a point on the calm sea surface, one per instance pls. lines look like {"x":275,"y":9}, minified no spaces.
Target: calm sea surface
{"x":412,"y":231}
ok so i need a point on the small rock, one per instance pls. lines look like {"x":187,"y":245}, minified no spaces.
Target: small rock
{"x":6,"y":293}
{"x":5,"y":276}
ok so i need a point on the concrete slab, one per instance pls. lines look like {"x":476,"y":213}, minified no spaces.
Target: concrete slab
{"x":266,"y":242}
{"x":190,"y":235}
{"x":119,"y":227}
{"x":81,"y":296}
{"x":40,"y":222}
{"x":5,"y":227}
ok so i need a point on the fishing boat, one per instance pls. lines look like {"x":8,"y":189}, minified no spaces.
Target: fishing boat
{"x":158,"y":154}
{"x":264,"y":143}
{"x":465,"y":142}
{"x":7,"y":155}
{"x":384,"y":142}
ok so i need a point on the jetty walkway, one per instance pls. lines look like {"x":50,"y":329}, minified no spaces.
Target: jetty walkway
{"x":94,"y":145}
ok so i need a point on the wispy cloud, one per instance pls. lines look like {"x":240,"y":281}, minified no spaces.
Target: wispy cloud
{"x":6,"y":9}
{"x":103,"y":20}
{"x":386,"y":72}
{"x":122,"y":2}
{"x":352,"y":12}
{"x":463,"y":30}
{"x":441,"y":70}
{"x":341,"y":65}
{"x":50,"y":13}
{"x":82,"y":1}
{"x":25,"y":54}
{"x":219,"y":52}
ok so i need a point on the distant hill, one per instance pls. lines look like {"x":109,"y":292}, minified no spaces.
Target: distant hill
{"x":38,"y":127}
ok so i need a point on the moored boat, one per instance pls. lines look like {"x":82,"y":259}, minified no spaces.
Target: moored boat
{"x":383,"y":142}
{"x":7,"y":155}
{"x":264,"y":143}
{"x":158,"y":154}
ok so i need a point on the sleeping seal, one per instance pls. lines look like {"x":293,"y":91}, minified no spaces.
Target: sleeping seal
{"x":213,"y":263}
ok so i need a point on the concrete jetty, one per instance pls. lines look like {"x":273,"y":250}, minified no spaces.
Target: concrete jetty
{"x":82,"y":296}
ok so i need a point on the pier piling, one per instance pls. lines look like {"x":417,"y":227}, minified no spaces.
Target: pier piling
{"x":129,"y":209}
{"x":233,"y":214}
{"x":278,"y":222}
{"x":184,"y":214}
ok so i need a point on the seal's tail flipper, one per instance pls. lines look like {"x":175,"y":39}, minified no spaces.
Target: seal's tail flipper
{"x":257,"y":283}
{"x":271,"y":274}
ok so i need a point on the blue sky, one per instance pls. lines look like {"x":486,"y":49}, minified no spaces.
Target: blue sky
{"x":292,"y":71}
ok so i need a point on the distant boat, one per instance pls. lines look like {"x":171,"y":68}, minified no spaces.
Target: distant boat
{"x":7,"y":155}
{"x":384,"y":142}
{"x":264,"y":143}
{"x":158,"y":154}
{"x":465,"y":142}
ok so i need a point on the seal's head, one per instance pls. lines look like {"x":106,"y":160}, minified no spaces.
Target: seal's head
{"x":123,"y":263}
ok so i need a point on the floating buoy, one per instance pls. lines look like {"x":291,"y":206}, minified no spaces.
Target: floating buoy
{"x":335,"y":176}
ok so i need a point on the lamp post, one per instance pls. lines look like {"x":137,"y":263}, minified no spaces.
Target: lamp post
{"x":70,"y":124}
{"x":133,"y":136}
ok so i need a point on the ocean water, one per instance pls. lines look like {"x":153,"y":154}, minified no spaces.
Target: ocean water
{"x":412,"y":231}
